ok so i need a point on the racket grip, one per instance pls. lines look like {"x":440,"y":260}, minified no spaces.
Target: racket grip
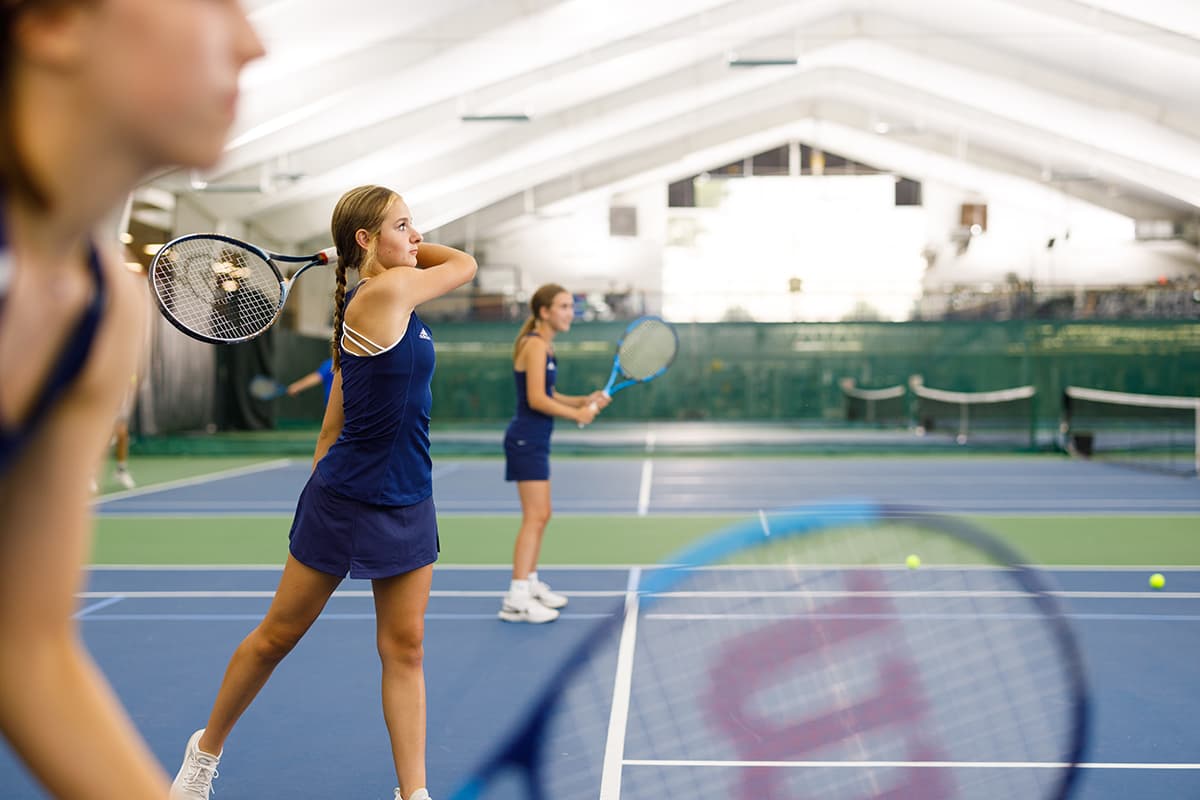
{"x":593,"y":407}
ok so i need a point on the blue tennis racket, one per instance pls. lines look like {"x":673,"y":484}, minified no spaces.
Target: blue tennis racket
{"x":795,"y":655}
{"x":645,"y":350}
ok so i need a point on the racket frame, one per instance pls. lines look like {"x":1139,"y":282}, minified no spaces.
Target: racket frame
{"x":277,"y":389}
{"x":609,"y":388}
{"x":320,"y":258}
{"x":521,"y":750}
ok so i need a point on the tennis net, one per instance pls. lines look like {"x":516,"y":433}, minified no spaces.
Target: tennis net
{"x":1157,"y":432}
{"x":882,"y":407}
{"x":1002,"y":417}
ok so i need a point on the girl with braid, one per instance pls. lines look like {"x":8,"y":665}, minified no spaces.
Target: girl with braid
{"x":367,"y":509}
{"x":95,"y":96}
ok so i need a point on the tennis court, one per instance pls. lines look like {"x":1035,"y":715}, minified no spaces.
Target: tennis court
{"x":186,"y":567}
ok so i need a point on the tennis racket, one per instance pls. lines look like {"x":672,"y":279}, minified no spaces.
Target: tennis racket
{"x":645,"y":350}
{"x":794,"y":655}
{"x":222,"y":290}
{"x":263,"y":388}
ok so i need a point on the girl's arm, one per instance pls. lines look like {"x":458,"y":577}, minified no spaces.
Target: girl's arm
{"x":335,"y":418}
{"x":578,"y":401}
{"x":56,"y":709}
{"x":301,"y":384}
{"x":532,"y":359}
{"x":440,"y":269}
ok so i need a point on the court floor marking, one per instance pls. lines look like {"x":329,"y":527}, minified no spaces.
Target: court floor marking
{"x":196,"y":480}
{"x":443,"y":567}
{"x":221,"y":593}
{"x":643,"y":501}
{"x":614,"y":746}
{"x":910,"y":764}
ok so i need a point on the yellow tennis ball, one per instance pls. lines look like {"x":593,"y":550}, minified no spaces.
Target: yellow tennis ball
{"x":913,"y":561}
{"x":1157,"y":581}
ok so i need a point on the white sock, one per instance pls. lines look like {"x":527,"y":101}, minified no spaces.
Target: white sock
{"x":519,"y":587}
{"x":533,"y":577}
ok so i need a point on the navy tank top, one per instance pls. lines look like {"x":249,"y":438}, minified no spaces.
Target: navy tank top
{"x":382,"y":454}
{"x":527,"y":422}
{"x":14,"y":436}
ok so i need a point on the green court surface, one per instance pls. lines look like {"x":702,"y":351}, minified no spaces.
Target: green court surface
{"x":613,"y":539}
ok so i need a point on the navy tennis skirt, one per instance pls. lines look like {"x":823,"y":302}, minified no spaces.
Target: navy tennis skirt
{"x":526,"y":458}
{"x":339,"y":536}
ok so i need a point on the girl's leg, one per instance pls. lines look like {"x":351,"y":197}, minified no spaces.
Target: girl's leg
{"x":535,"y":514}
{"x":400,"y":604}
{"x":302,"y":594}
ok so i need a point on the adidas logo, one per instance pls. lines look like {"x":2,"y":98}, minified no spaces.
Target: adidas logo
{"x":425,"y":335}
{"x":551,"y":366}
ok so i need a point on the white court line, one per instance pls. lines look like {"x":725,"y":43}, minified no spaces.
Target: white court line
{"x":194,"y":481}
{"x":614,"y":747}
{"x":279,"y":567}
{"x":235,"y":593}
{"x":112,"y":600}
{"x":906,"y":764}
{"x":644,"y":490}
{"x":946,"y":594}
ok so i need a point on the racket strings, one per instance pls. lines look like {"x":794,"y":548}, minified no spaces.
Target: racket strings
{"x":647,"y":349}
{"x":826,"y":649}
{"x":216,"y":289}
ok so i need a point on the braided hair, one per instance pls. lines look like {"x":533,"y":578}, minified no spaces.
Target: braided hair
{"x":362,"y":208}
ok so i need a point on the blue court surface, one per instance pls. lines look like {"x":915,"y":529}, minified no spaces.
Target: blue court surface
{"x":164,"y":634}
{"x":682,"y":485}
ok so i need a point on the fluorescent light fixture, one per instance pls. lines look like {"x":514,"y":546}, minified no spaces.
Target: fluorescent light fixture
{"x":763,"y":62}
{"x":495,"y":118}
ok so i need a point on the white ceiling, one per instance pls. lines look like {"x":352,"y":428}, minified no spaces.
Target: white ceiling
{"x":1098,"y":97}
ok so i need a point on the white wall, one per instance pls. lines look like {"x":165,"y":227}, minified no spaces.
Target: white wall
{"x":569,"y":243}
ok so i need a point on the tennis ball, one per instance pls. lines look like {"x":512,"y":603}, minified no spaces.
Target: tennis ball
{"x":1157,"y":581}
{"x":913,"y":561}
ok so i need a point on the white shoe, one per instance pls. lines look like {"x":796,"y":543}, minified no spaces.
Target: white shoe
{"x":541,"y":592}
{"x":419,"y":794}
{"x":199,"y":770}
{"x":124,"y":478}
{"x":524,"y":608}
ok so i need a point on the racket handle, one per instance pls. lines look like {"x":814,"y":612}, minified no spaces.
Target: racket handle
{"x":595,"y":409}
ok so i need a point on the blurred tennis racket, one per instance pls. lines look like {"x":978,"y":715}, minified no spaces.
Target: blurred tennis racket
{"x":645,"y":350}
{"x":795,"y":656}
{"x":263,"y":388}
{"x":222,"y":290}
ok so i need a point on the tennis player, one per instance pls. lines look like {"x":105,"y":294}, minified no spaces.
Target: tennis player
{"x":527,"y":447}
{"x":367,"y":509}
{"x":96,"y":96}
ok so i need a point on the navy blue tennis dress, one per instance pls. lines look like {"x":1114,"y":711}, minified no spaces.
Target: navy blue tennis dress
{"x":367,"y":509}
{"x":527,"y":439}
{"x":14,"y":437}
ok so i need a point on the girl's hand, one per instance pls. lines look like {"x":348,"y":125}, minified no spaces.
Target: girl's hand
{"x":598,"y":399}
{"x":585,"y":414}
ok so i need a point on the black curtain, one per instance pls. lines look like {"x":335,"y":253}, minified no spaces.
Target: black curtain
{"x":237,"y":364}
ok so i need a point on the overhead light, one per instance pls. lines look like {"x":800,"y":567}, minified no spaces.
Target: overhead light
{"x":762,"y":62}
{"x":494,"y":118}
{"x":126,"y":238}
{"x":152,"y":249}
